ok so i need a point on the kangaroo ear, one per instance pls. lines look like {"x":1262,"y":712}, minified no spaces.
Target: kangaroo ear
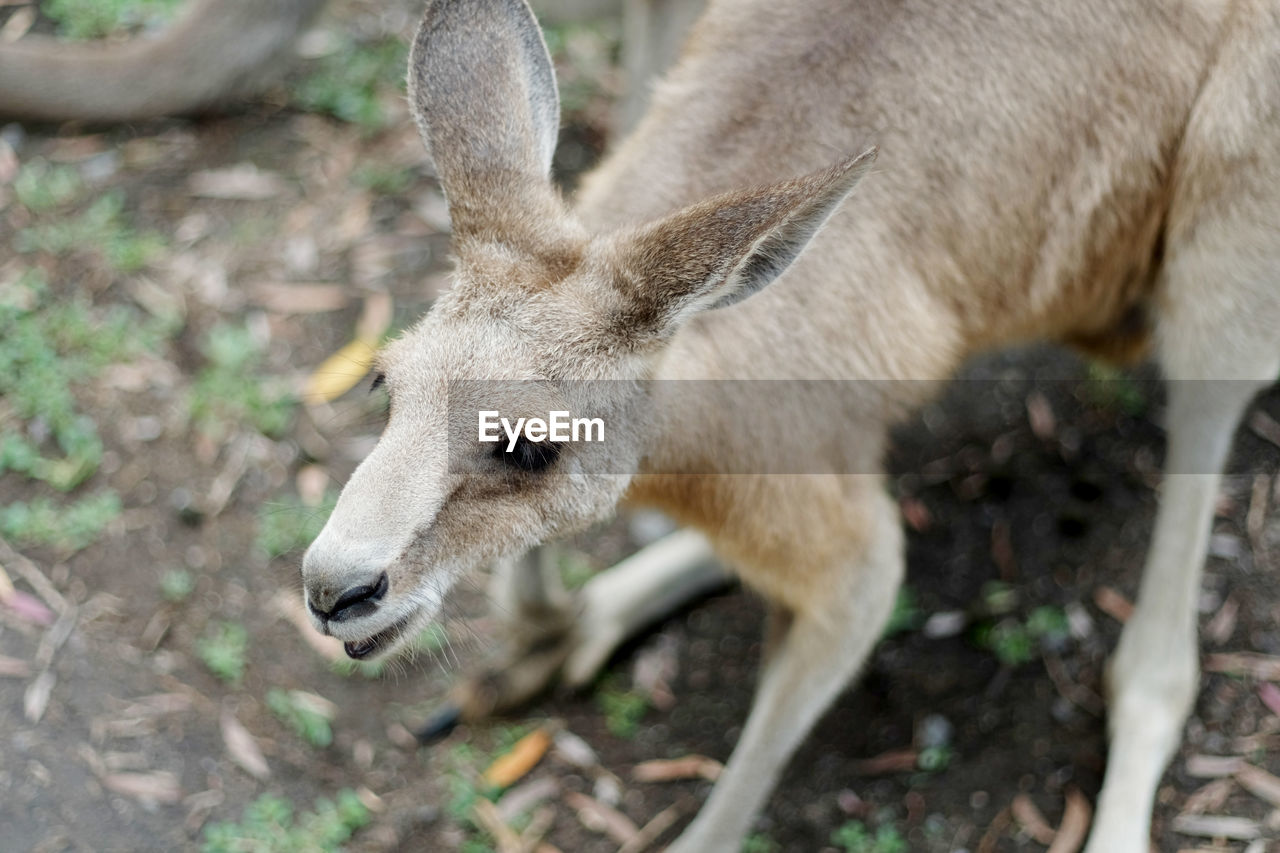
{"x":484,"y":96}
{"x":722,"y":250}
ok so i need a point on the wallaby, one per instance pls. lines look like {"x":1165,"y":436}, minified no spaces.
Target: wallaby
{"x":219,"y":51}
{"x":1104,"y":173}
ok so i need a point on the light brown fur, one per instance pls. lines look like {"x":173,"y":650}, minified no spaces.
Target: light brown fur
{"x":1104,"y":173}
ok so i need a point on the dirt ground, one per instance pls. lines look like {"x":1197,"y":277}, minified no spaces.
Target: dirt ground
{"x":1028,"y":487}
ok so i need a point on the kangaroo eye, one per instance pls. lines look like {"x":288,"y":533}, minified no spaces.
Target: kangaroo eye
{"x":530,"y":456}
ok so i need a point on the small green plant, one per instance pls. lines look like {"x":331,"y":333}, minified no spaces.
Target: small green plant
{"x":291,"y":525}
{"x":232,"y":390}
{"x":384,"y":179}
{"x":100,"y":227}
{"x":906,"y":616}
{"x":760,"y":843}
{"x":348,"y":83}
{"x":41,"y":187}
{"x":854,"y":837}
{"x":176,"y":585}
{"x":623,"y":709}
{"x":1014,"y":642}
{"x":1113,"y":390}
{"x":300,"y":714}
{"x":223,"y":651}
{"x":475,"y":845}
{"x":49,"y":346}
{"x":575,"y":567}
{"x":1009,"y":641}
{"x":66,"y":527}
{"x":934,"y":759}
{"x":89,"y":19}
{"x":269,"y":824}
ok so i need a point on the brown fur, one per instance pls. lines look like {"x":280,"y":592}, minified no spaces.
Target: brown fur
{"x":1103,"y":172}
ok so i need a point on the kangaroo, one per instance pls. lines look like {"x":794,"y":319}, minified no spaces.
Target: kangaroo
{"x":1104,"y":173}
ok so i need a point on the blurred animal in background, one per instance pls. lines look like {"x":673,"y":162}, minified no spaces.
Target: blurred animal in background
{"x":219,"y":52}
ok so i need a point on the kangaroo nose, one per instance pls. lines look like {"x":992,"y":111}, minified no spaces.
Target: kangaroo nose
{"x":354,"y":602}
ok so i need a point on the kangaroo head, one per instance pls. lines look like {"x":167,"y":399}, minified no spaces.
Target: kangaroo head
{"x":543,"y":316}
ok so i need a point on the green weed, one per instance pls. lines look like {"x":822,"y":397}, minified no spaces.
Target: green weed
{"x":1014,"y":642}
{"x":348,"y":83}
{"x":623,"y":709}
{"x":100,"y":227}
{"x":575,"y":567}
{"x":906,"y":616}
{"x":89,"y":19}
{"x":854,"y":837}
{"x":291,"y":526}
{"x":41,"y":186}
{"x":176,"y":585}
{"x":47,"y":347}
{"x":384,"y":179}
{"x":309,"y":724}
{"x":1113,"y":390}
{"x":223,"y":651}
{"x":269,"y":824}
{"x":68,"y":527}
{"x":231,"y":389}
{"x":760,"y":843}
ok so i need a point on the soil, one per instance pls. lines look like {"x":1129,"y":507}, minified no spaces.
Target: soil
{"x":1057,"y":504}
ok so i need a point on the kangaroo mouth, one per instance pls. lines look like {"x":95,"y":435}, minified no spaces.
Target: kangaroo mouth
{"x":365,"y":649}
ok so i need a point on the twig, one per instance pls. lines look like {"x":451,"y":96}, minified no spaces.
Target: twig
{"x":658,"y":824}
{"x":31,"y":573}
{"x":224,"y":485}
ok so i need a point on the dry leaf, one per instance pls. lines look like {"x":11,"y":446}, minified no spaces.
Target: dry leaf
{"x":916,"y":514}
{"x":652,"y":830}
{"x":669,"y":770}
{"x":1075,"y":824}
{"x":340,"y":372}
{"x":575,"y":750}
{"x":523,"y":757}
{"x":1270,"y":696}
{"x":1260,"y":783}
{"x":17,"y":25}
{"x":893,"y":761}
{"x":1265,"y":426}
{"x":1029,"y":818}
{"x":1040,"y":415}
{"x":1209,"y":797}
{"x":1223,"y":623}
{"x":244,"y":182}
{"x":243,"y":748}
{"x":486,"y":816}
{"x":1216,"y":826}
{"x":312,"y":480}
{"x":375,"y":317}
{"x":36,"y":698}
{"x":13,"y":667}
{"x":159,"y":786}
{"x":298,"y":298}
{"x":598,"y":817}
{"x":1111,"y":602}
{"x":1262,"y":667}
{"x":1213,"y":766}
{"x":28,"y":608}
{"x":525,"y":797}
